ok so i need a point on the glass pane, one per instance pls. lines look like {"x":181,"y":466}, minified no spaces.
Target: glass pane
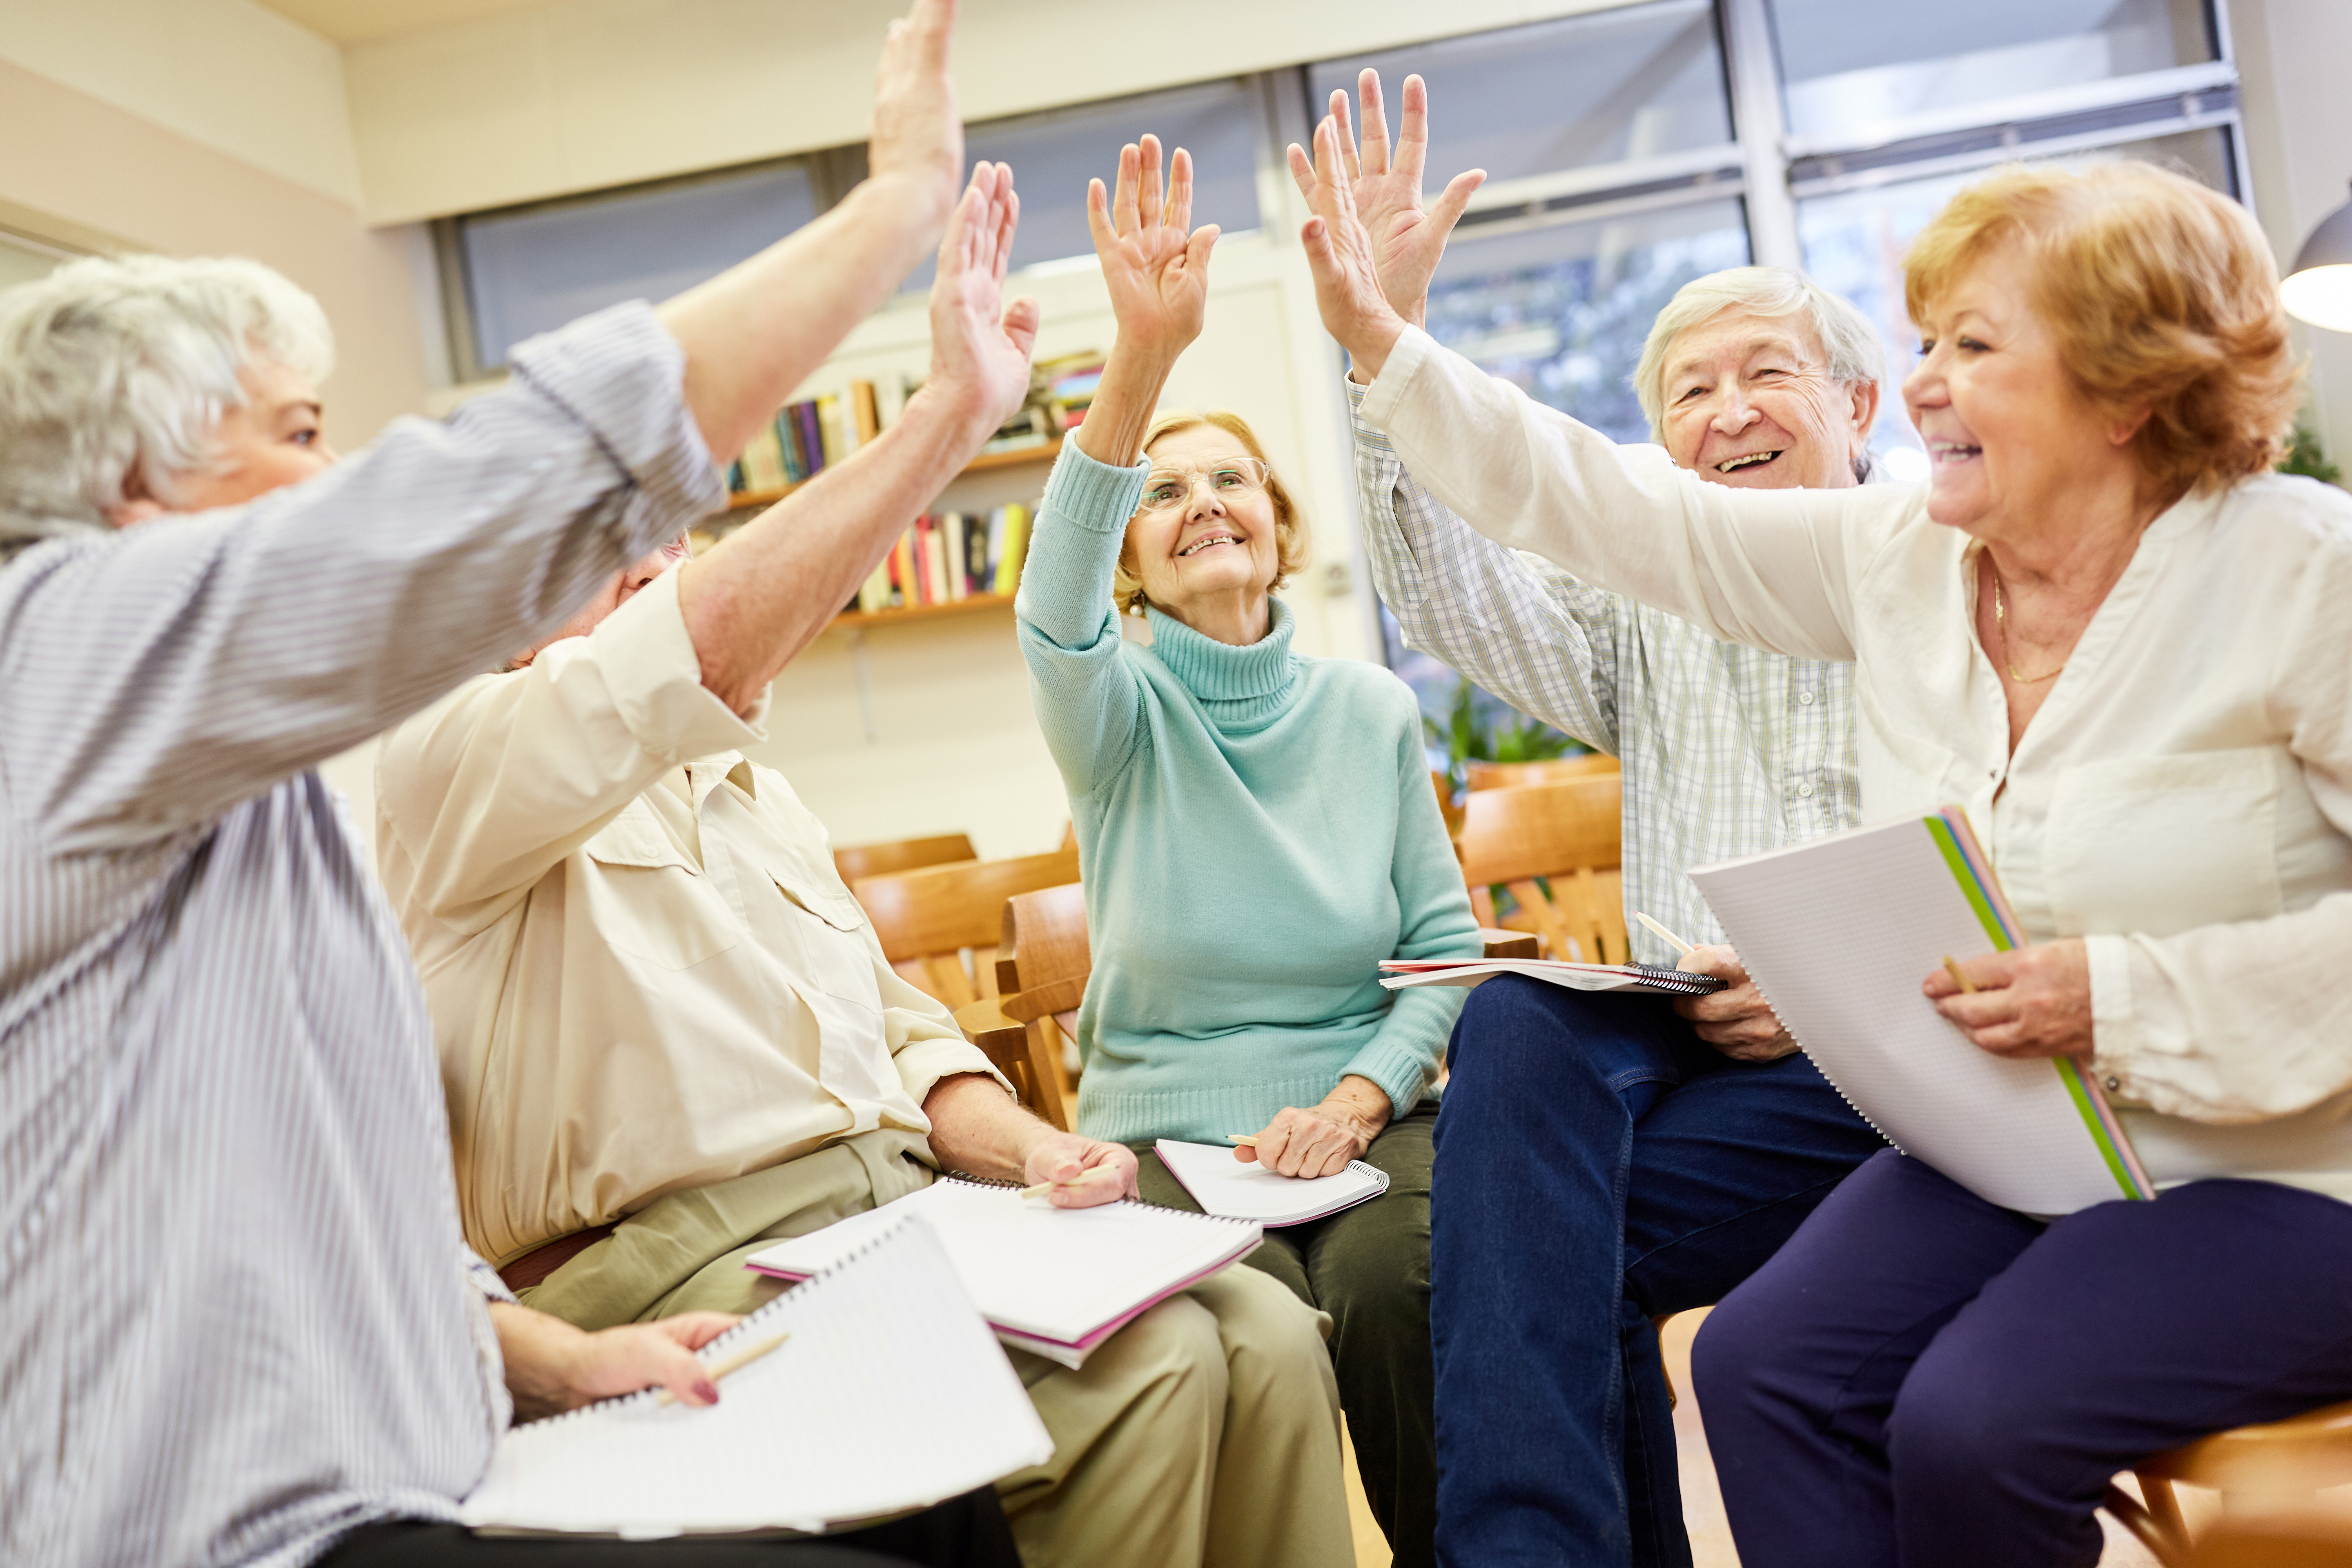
{"x":1053,"y":155}
{"x":1563,"y":311}
{"x":1850,"y":64}
{"x":532,"y":270}
{"x":1854,"y":243}
{"x":23,"y":263}
{"x":1599,"y":89}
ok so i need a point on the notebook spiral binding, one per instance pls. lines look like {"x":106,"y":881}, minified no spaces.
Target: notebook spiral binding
{"x":748,"y":1328}
{"x":966,"y":1179}
{"x":1826,"y":1078}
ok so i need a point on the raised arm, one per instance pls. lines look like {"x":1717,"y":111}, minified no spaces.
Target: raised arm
{"x":1156,"y":269}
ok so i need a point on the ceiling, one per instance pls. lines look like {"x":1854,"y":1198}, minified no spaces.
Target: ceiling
{"x":363,"y":21}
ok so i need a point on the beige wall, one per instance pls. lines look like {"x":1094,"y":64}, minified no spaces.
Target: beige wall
{"x":2299,"y":139}
{"x":93,"y":166}
{"x":592,"y":93}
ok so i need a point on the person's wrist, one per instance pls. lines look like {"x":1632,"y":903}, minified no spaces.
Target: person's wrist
{"x":1371,"y":343}
{"x":954,"y":414}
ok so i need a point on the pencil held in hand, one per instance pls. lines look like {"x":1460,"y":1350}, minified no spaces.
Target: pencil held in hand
{"x":1959,"y":977}
{"x":1678,"y":944}
{"x":1248,"y":1140}
{"x":735,"y":1362}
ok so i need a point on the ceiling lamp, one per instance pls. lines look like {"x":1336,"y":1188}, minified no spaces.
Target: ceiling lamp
{"x":2318,"y":288}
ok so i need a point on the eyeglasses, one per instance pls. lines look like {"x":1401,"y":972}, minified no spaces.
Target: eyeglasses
{"x":1171,"y":489}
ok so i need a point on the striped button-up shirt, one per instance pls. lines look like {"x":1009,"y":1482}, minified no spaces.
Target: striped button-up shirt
{"x":236,"y":1314}
{"x":1727,"y":750}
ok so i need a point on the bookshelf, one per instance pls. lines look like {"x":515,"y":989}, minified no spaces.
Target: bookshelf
{"x":744,"y":501}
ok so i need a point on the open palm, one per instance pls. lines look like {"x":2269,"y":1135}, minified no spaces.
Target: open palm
{"x":1156,"y":266}
{"x":1407,"y":241}
{"x":978,"y":343}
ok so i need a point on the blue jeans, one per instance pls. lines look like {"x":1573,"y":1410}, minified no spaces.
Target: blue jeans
{"x":1598,"y":1165}
{"x":1921,"y":1378}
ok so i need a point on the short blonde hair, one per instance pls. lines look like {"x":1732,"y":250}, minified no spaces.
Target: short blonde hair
{"x":2161,"y":293}
{"x":1290,"y":541}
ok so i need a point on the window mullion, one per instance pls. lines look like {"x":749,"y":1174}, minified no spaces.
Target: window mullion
{"x":1754,"y":77}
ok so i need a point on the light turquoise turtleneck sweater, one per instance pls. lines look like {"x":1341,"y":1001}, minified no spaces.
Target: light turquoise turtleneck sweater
{"x":1255,"y":831}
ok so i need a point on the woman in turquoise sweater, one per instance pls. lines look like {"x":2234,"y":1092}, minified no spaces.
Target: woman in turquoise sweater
{"x":1258,"y":833}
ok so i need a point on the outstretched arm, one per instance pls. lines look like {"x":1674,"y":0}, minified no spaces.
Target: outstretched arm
{"x":1156,"y":268}
{"x":759,"y":596}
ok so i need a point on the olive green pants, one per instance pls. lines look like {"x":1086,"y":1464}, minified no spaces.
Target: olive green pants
{"x":1204,"y":1432}
{"x":1368,"y":1267}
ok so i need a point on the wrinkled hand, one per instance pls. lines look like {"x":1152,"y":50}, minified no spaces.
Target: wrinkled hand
{"x":979,"y":345}
{"x":1340,"y":253}
{"x":917,"y":134}
{"x":1734,"y":1020}
{"x":1157,"y":270}
{"x":2029,"y":1002}
{"x":1407,"y":242}
{"x":1094,"y":1173}
{"x":1319,"y":1140}
{"x":551,"y":1366}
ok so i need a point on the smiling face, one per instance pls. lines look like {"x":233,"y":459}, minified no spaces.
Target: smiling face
{"x":2016,"y":446}
{"x":1218,"y":543}
{"x":1748,"y":401}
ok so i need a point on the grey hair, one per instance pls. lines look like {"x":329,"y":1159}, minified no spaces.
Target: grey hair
{"x":115,"y":371}
{"x":1855,"y":353}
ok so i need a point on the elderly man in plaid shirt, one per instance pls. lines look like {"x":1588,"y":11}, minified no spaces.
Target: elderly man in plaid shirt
{"x":1603,"y":1159}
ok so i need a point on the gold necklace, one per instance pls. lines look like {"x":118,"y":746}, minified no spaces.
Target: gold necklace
{"x":2000,"y":628}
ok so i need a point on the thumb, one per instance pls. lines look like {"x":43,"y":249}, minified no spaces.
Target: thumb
{"x":1196,"y":253}
{"x":1022,"y":318}
{"x":1456,"y":200}
{"x":678,"y":1370}
{"x":1315,"y":236}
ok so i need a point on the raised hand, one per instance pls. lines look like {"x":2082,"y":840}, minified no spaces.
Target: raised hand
{"x":917,"y":134}
{"x":1407,"y":242}
{"x":1340,"y":254}
{"x":1155,"y":264}
{"x":980,"y":344}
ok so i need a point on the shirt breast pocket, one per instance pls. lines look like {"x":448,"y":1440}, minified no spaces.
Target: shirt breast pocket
{"x":649,"y":901}
{"x":2156,"y":845}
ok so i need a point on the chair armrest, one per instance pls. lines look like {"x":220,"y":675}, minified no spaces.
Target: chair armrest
{"x":1508,"y":944}
{"x":985,"y":1026}
{"x":1054,"y":997}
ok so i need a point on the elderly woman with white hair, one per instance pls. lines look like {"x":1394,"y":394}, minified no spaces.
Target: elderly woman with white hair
{"x":238,"y":1320}
{"x":1597,"y":1152}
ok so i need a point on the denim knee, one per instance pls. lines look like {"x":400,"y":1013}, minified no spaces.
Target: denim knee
{"x":1515,"y":1035}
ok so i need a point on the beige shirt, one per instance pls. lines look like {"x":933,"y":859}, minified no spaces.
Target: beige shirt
{"x":2182,"y":800}
{"x":640,"y":981}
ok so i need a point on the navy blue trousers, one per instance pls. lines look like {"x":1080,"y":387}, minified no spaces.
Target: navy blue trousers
{"x":1921,"y":1378}
{"x":1597,"y":1165}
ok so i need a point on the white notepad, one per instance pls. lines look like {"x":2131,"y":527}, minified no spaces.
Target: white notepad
{"x":1053,"y":1280}
{"x":1840,"y":933}
{"x":889,"y":1395}
{"x":1397,"y":973}
{"x":1240,"y":1189}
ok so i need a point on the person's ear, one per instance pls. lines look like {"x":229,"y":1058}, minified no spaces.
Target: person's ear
{"x":2126,"y":427}
{"x":138,"y":505}
{"x":1866,"y":413}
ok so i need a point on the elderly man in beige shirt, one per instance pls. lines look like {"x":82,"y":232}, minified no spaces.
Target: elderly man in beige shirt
{"x":669,"y":1034}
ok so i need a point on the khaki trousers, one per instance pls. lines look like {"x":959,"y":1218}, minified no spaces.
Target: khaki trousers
{"x":1204,"y":1432}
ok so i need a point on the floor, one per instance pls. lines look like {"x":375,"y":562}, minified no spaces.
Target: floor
{"x":1710,"y":1533}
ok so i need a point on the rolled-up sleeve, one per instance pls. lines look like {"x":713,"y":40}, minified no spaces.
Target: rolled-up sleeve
{"x":179,"y":666}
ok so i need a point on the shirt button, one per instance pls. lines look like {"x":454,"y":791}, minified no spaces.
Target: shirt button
{"x":2115,"y":1086}
{"x":1805,"y":790}
{"x":1806,"y":698}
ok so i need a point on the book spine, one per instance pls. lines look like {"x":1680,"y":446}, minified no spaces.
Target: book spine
{"x":1016,"y":548}
{"x":995,"y":556}
{"x":952,"y":547}
{"x":935,"y":561}
{"x":874,"y":594}
{"x":795,"y":467}
{"x":866,"y":409}
{"x":833,"y":434}
{"x":902,"y":566}
{"x":811,"y":439}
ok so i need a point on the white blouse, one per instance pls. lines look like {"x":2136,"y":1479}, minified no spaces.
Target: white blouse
{"x":2181,"y":800}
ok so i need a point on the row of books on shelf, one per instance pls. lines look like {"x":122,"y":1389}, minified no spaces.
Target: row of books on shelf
{"x":949,"y":556}
{"x":808,"y":436}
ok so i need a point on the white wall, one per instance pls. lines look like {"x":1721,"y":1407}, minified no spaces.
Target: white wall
{"x":590,"y":93}
{"x":2292,"y":55}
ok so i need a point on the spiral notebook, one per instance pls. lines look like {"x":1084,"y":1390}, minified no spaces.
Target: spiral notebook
{"x":887,"y":1395}
{"x":1243,"y":1189}
{"x":1052,"y":1280}
{"x":1399,"y":973}
{"x":1840,"y":933}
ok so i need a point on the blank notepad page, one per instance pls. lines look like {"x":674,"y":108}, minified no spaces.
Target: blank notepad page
{"x":1840,"y":934}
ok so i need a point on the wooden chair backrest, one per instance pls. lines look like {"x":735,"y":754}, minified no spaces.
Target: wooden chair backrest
{"x":1519,"y":775}
{"x":905,"y":854}
{"x":1043,"y":959}
{"x":930,"y":919}
{"x":1557,"y":846}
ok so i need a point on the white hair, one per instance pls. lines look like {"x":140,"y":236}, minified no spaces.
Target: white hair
{"x":1855,"y":353}
{"x":115,"y":371}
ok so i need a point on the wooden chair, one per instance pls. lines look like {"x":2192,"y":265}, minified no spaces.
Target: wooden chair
{"x":928,"y":920}
{"x":906,"y":855}
{"x":1556,"y":846}
{"x":2280,"y":1464}
{"x":1519,"y":775}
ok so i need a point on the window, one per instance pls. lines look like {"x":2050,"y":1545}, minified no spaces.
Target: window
{"x":1053,"y":156}
{"x":532,"y":269}
{"x":23,"y":261}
